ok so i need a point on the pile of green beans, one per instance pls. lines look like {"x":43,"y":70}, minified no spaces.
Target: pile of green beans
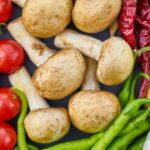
{"x":138,"y":145}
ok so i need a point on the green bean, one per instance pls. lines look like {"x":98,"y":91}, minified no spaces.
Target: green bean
{"x":138,"y":145}
{"x":125,"y":140}
{"x":83,"y":144}
{"x":30,"y":147}
{"x":132,"y":91}
{"x":21,"y":138}
{"x":125,"y":92}
{"x":119,"y":123}
{"x":133,"y":123}
{"x":138,"y":113}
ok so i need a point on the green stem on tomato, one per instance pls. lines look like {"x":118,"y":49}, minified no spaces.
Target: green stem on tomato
{"x":119,"y":123}
{"x":21,"y":139}
{"x":125,"y":140}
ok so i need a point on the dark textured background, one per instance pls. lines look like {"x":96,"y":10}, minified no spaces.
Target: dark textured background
{"x":74,"y":133}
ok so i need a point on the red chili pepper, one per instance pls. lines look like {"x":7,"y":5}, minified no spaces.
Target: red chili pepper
{"x":143,"y":20}
{"x":126,"y":21}
{"x":143,"y":14}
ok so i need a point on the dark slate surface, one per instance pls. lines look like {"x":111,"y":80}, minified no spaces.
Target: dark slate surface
{"x":74,"y":133}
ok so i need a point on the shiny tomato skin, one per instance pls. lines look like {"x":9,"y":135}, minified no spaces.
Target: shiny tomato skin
{"x":9,"y":104}
{"x":11,"y":56}
{"x":6,"y":9}
{"x":7,"y":136}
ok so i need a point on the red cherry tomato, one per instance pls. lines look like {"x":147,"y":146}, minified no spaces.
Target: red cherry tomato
{"x":9,"y":104}
{"x":6,"y":9}
{"x":11,"y":56}
{"x":7,"y":136}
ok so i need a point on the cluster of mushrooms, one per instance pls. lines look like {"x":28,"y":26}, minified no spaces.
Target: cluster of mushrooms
{"x":82,"y":61}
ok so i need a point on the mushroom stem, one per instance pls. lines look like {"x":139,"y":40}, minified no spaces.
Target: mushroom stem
{"x":35,"y":49}
{"x":87,"y":45}
{"x":19,"y":2}
{"x":148,"y":94}
{"x":90,"y":80}
{"x":21,"y":80}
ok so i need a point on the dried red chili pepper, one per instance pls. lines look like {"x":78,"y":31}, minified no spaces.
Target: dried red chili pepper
{"x":143,"y":13}
{"x":143,"y":20}
{"x":126,"y":21}
{"x":135,"y":29}
{"x":146,"y":68}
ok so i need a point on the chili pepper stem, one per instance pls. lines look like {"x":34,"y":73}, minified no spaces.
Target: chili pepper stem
{"x":142,"y":50}
{"x":132,"y":93}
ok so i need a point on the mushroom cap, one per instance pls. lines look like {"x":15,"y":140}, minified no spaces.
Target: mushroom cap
{"x":47,"y":125}
{"x":60,"y":75}
{"x":93,"y":111}
{"x":93,"y":16}
{"x":116,"y":61}
{"x":46,"y":18}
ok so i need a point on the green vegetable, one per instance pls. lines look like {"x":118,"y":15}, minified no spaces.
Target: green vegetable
{"x":83,"y":144}
{"x":132,"y":90}
{"x":138,"y":145}
{"x":125,"y":140}
{"x":133,"y":123}
{"x":21,"y":138}
{"x":127,"y":113}
{"x":124,"y":95}
{"x":30,"y":147}
{"x":125,"y":92}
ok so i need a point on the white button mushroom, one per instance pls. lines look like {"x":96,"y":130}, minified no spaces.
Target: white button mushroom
{"x":114,"y":56}
{"x":61,"y":74}
{"x":91,"y":110}
{"x":43,"y":124}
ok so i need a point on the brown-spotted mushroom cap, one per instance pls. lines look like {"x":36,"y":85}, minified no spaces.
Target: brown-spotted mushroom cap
{"x":46,"y":18}
{"x":115,"y":62}
{"x":47,"y":125}
{"x":93,"y":111}
{"x":60,"y":75}
{"x":93,"y":16}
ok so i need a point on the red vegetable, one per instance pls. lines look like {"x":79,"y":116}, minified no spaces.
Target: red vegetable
{"x":9,"y":104}
{"x":11,"y":56}
{"x":143,"y":20}
{"x":7,"y":136}
{"x":6,"y":9}
{"x":135,"y":29}
{"x":146,"y":68}
{"x":126,"y":21}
